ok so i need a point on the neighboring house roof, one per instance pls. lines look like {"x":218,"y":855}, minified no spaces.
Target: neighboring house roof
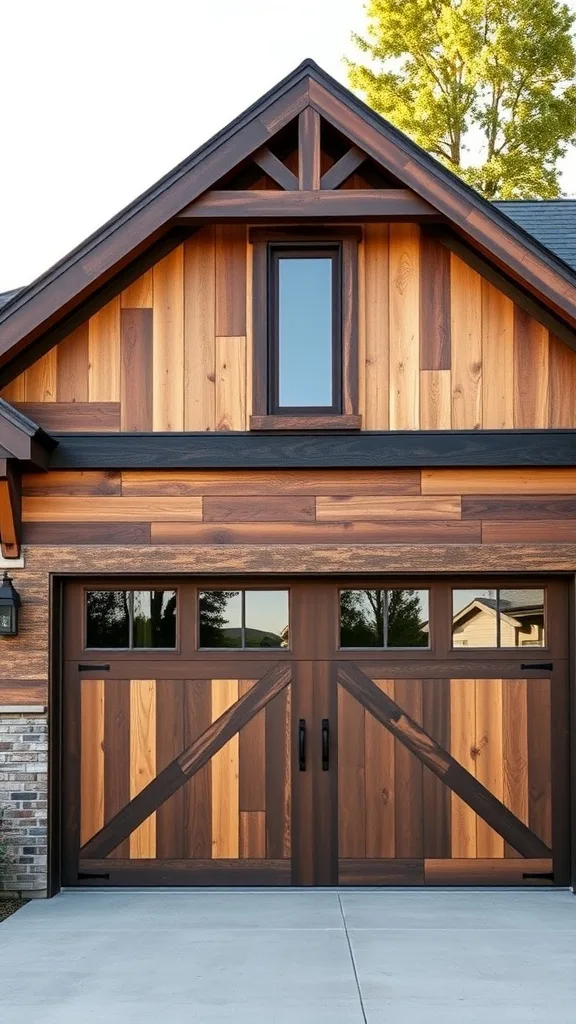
{"x":46,"y":310}
{"x":551,"y":221}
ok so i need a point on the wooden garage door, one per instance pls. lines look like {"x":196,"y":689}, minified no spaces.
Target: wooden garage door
{"x":326,"y":753}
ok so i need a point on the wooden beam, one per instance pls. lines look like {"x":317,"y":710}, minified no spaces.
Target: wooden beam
{"x":505,"y":285}
{"x":343,"y":168}
{"x":10,"y":510}
{"x":308,"y":150}
{"x":275,"y":169}
{"x":379,"y":449}
{"x":352,"y":204}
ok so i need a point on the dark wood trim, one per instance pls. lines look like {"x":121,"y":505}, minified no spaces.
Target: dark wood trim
{"x":10,"y":510}
{"x":440,"y":762}
{"x":365,"y":204}
{"x":21,"y":438}
{"x":306,"y":233}
{"x":380,"y":449}
{"x":349,"y":319}
{"x":504,"y":284}
{"x":173,"y":777}
{"x":335,"y":421}
{"x":56,"y":591}
{"x":260,"y":329}
{"x":309,"y":149}
{"x":144,"y":872}
{"x":343,"y":168}
{"x":275,"y":169}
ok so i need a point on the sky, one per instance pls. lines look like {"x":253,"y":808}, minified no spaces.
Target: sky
{"x":101,"y":100}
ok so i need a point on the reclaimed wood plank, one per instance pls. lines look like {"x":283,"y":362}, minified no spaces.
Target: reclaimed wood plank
{"x":142,"y":760}
{"x":230,"y":397}
{"x":404,"y":348}
{"x":199,"y":331}
{"x":168,"y":343}
{"x":104,"y":353}
{"x":91,"y":757}
{"x":497,"y":359}
{"x":225,"y":809}
{"x":466,"y":321}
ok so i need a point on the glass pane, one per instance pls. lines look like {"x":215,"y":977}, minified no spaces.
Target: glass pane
{"x":107,"y":618}
{"x":154,"y":618}
{"x":474,"y":618}
{"x":408,"y":618}
{"x":221,"y":618}
{"x":305,"y":332}
{"x":522,"y":618}
{"x":362,"y":618}
{"x":266,"y":618}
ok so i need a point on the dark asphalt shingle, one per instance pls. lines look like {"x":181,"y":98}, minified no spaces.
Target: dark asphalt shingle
{"x":552,"y":222}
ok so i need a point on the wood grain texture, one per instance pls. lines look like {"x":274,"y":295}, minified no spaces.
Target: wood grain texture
{"x":199,"y":331}
{"x":41,"y":379}
{"x":408,"y":777}
{"x":86,"y":533}
{"x":497,"y":359}
{"x":539,"y":758}
{"x":266,"y":482}
{"x":435,"y":795}
{"x":309,"y":169}
{"x":92,"y":757}
{"x":462,"y":732}
{"x":515,"y":749}
{"x":252,"y":757}
{"x":252,"y":835}
{"x":380,"y":783}
{"x":487,"y":872}
{"x":435,"y":343}
{"x":116,"y":750}
{"x":278,"y":714}
{"x":499,"y":481}
{"x":23,"y":691}
{"x":530,"y":507}
{"x":488,"y":756}
{"x":404,"y":283}
{"x":136,"y":369}
{"x":85,"y":417}
{"x":142,"y":760}
{"x":372,"y":507}
{"x":466,"y":326}
{"x":230,"y":296}
{"x":168,"y":342}
{"x":561,"y":384}
{"x":435,"y":400}
{"x":351,"y":777}
{"x":170,"y":742}
{"x":264,"y":533}
{"x":543,"y":531}
{"x":104,"y":354}
{"x":198,"y":789}
{"x":91,"y":509}
{"x":72,"y":367}
{"x":230,"y":409}
{"x":530,"y":371}
{"x":70,"y":483}
{"x":225,"y":772}
{"x":376,"y":370}
{"x":263,"y":509}
{"x":139,"y":294}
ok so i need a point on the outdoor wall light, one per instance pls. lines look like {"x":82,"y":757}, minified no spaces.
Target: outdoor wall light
{"x":9,"y":605}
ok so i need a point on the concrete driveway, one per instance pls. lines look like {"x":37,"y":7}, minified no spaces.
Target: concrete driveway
{"x":269,"y":957}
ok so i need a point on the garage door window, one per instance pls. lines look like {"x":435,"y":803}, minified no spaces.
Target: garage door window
{"x":498,"y":618}
{"x":242,"y":619}
{"x":384,"y":618}
{"x":131,"y":619}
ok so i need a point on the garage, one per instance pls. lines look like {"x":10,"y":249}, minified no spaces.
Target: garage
{"x":319,"y":731}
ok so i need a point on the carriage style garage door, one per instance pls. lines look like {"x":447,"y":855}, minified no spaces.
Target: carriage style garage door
{"x":319,"y":732}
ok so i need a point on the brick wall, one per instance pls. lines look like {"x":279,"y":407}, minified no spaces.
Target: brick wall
{"x":23,"y":801}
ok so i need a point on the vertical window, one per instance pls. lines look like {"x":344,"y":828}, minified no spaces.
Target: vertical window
{"x":304,"y":331}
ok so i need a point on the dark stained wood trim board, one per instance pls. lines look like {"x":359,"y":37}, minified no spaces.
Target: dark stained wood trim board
{"x":357,"y":204}
{"x":393,"y":449}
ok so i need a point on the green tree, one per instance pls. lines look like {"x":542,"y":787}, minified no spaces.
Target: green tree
{"x":469,"y":77}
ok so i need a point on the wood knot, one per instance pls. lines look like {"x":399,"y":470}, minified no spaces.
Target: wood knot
{"x":476,"y":751}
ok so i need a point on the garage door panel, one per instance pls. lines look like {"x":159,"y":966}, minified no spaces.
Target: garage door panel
{"x":455,"y":777}
{"x":222,"y":747}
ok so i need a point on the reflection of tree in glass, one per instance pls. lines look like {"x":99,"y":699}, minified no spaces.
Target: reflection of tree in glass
{"x":155,"y":618}
{"x":362,"y":618}
{"x":214,"y":619}
{"x":405,"y":619}
{"x":108,"y":616}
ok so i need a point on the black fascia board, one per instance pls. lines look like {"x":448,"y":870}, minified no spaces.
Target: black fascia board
{"x":377,"y":449}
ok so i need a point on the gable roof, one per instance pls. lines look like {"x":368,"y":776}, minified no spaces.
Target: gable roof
{"x":6,"y":297}
{"x":551,"y":221}
{"x":49,"y":303}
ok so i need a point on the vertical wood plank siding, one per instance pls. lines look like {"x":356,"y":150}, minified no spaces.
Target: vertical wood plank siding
{"x":439,"y":346}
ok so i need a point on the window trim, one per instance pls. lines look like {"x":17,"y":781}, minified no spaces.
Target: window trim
{"x":344,"y":412}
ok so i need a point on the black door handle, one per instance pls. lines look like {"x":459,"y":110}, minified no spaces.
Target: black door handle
{"x":302,"y":744}
{"x":325,"y":744}
{"x":545,"y":666}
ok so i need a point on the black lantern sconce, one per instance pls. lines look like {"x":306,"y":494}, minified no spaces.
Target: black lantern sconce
{"x":9,"y":606}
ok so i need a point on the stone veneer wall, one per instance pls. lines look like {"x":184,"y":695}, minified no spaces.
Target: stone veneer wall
{"x":24,"y":800}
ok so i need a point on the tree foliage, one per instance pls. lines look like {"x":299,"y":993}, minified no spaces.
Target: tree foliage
{"x":462,"y":76}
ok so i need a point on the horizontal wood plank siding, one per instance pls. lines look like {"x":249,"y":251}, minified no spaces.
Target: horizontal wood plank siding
{"x":440,"y":346}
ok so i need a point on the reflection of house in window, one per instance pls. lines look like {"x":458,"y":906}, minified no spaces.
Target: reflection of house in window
{"x":521,"y":620}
